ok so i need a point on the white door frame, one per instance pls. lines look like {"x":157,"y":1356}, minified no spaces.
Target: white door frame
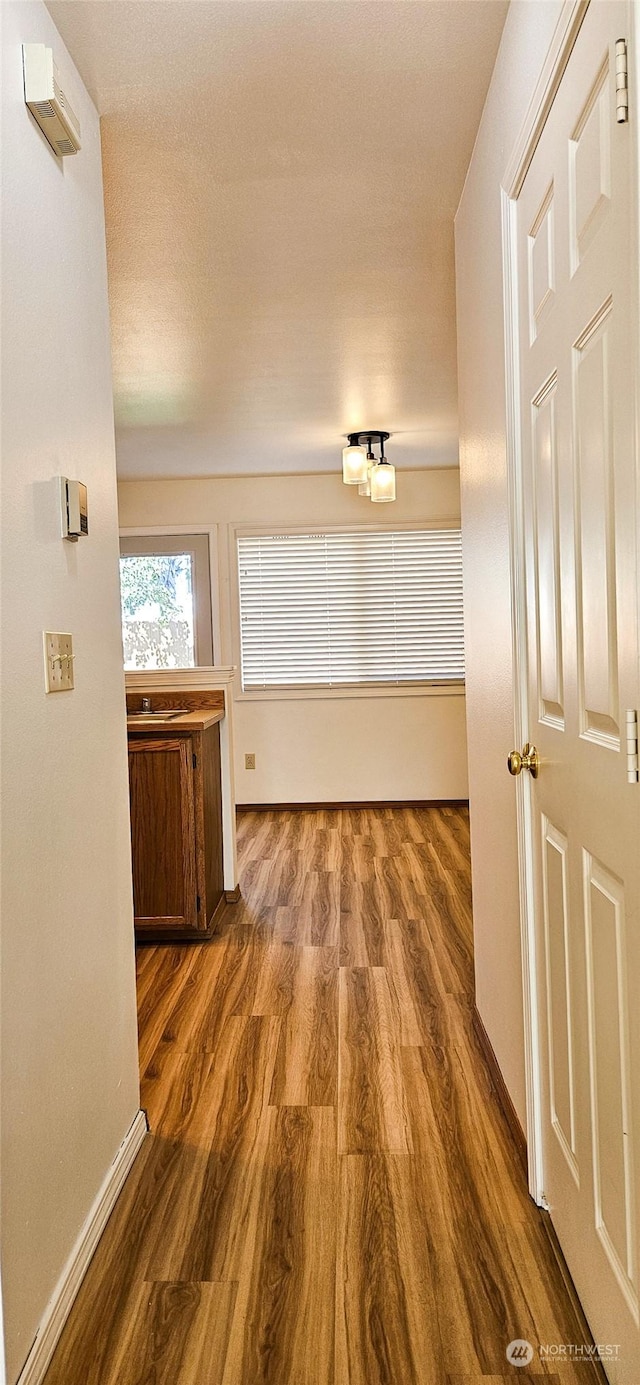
{"x":564,"y":37}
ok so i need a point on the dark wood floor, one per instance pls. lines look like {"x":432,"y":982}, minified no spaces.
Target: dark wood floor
{"x":330,"y":1194}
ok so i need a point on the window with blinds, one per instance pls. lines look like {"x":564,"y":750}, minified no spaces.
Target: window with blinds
{"x":328,"y":610}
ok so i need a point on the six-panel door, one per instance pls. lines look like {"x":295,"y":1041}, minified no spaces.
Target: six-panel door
{"x":577,"y":339}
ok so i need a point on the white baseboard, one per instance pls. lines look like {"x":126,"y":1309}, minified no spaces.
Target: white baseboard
{"x":61,"y":1301}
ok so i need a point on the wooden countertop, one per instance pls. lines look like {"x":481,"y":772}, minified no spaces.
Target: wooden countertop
{"x":188,"y":721}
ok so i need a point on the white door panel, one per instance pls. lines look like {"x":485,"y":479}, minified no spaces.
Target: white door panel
{"x":576,"y":251}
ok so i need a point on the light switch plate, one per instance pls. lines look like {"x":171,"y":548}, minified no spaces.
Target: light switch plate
{"x":58,"y":662}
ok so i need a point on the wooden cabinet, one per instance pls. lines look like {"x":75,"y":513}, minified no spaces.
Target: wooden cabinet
{"x":176,"y":831}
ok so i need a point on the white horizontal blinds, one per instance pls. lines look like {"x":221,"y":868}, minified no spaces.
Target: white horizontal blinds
{"x":331,"y":609}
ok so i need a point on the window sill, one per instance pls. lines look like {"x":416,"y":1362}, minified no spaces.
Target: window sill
{"x":340,"y":693}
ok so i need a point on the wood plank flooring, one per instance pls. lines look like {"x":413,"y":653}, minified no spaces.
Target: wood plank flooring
{"x":329,"y":1194}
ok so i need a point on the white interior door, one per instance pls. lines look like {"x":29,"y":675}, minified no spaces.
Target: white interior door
{"x":577,"y":330}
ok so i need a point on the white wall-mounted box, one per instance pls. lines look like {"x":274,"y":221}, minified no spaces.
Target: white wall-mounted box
{"x":74,"y":509}
{"x":46,"y":100}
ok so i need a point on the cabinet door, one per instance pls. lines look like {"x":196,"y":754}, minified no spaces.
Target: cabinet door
{"x":161,"y":780}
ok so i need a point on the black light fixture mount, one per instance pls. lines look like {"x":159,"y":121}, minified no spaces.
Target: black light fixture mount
{"x":369,"y":435}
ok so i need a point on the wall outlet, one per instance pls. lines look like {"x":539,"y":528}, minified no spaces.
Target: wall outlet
{"x":58,"y":662}
{"x":249,"y":761}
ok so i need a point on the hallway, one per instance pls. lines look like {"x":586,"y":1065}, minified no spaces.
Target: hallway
{"x":330,"y":1193}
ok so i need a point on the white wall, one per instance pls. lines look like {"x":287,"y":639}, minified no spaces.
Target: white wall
{"x":69,"y":1044}
{"x":320,"y":749}
{"x":484,"y":498}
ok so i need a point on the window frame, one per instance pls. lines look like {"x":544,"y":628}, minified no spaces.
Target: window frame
{"x":302,"y":693}
{"x":146,"y":541}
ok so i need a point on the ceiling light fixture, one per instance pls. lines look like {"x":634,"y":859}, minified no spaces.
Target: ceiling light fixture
{"x":374,"y":477}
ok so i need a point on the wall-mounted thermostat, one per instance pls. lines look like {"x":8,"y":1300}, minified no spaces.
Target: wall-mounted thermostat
{"x":47,"y":101}
{"x":74,"y":513}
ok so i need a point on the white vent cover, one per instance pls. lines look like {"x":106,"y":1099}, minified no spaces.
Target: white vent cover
{"x":47,"y":101}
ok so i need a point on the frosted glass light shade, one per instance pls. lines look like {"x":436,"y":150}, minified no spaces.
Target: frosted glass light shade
{"x":354,"y":466}
{"x":365,"y":488}
{"x":383,"y":482}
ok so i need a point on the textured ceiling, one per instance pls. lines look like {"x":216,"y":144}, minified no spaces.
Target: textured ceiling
{"x":281,"y":178}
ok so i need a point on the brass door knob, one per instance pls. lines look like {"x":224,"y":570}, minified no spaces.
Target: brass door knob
{"x":529,"y":759}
